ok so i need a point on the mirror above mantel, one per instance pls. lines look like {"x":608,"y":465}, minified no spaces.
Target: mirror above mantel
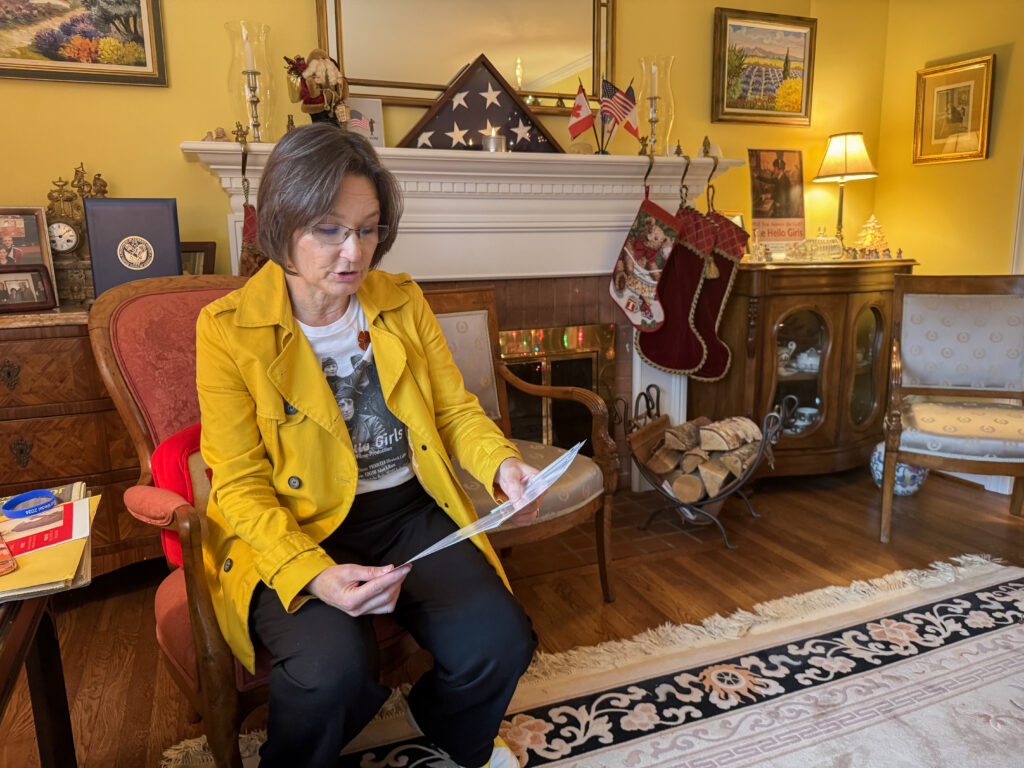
{"x":390,"y":49}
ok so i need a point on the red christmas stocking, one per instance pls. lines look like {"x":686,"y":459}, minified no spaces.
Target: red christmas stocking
{"x":677,"y":346}
{"x":640,"y":266}
{"x":251,"y":257}
{"x":727,"y":253}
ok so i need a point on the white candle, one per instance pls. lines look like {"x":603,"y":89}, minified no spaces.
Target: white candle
{"x":654,"y":81}
{"x":250,"y":56}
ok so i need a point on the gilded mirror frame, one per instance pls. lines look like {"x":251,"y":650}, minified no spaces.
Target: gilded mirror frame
{"x":329,"y":37}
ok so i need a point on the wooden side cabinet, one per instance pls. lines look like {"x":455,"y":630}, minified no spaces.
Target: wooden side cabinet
{"x":58,"y":425}
{"x":821,"y":332}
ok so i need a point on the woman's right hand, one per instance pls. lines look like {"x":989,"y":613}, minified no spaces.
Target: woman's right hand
{"x":359,"y":589}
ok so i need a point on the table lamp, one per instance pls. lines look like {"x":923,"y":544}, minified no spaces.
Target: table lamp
{"x":846,"y":159}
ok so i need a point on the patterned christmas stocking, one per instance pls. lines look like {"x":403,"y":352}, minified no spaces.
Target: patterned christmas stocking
{"x":640,"y":266}
{"x":677,"y":346}
{"x":730,"y":242}
{"x":251,"y":257}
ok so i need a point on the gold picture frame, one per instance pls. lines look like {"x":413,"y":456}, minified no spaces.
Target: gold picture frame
{"x":762,"y":67}
{"x":96,"y":43}
{"x":953,"y":107}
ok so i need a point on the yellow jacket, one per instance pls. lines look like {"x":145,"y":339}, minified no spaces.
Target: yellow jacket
{"x":284,"y":471}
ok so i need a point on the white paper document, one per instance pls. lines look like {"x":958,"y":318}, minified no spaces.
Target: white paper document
{"x":534,"y":488}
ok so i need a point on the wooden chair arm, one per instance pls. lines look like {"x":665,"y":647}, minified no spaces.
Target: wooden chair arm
{"x":213,"y":655}
{"x":605,"y":452}
{"x":892,"y":422}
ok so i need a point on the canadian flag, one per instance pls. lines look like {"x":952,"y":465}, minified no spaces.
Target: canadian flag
{"x":582,"y":117}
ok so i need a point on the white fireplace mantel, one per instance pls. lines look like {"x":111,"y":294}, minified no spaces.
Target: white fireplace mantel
{"x":477,"y":215}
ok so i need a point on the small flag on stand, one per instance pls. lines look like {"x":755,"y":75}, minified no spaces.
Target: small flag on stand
{"x":581,"y":117}
{"x":631,"y":123}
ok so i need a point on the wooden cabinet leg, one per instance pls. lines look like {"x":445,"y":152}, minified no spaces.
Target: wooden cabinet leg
{"x":1017,"y":496}
{"x":49,"y":698}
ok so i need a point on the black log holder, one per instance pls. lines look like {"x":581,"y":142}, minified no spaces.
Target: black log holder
{"x":644,"y":428}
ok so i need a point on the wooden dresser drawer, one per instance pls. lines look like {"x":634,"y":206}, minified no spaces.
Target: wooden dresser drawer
{"x":46,"y":371}
{"x":52,"y":448}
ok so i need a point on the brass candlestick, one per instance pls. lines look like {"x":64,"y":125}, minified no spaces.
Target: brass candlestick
{"x":252,"y":87}
{"x":652,"y":143}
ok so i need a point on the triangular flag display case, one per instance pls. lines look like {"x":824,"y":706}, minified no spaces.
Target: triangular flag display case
{"x":478,"y":103}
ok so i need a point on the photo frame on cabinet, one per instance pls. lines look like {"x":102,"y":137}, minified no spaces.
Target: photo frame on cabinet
{"x":24,"y":238}
{"x":951,"y":119}
{"x":42,"y":41}
{"x":762,"y":67}
{"x":26,"y":288}
{"x":198,"y":257}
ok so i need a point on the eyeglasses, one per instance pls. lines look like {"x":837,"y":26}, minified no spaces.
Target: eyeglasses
{"x":337,"y":234}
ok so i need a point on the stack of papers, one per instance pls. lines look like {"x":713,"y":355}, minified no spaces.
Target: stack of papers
{"x":52,"y":550}
{"x":534,"y":488}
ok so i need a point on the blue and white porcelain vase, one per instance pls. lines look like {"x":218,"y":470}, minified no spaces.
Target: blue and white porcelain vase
{"x":909,"y":478}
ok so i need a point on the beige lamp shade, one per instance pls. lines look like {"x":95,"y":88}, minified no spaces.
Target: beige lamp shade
{"x":846,"y":159}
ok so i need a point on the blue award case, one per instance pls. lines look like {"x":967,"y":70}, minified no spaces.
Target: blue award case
{"x":132,"y":238}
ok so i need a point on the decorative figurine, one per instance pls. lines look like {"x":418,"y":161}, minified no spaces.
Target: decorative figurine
{"x":643,"y":145}
{"x":290,"y":125}
{"x":318,"y":82}
{"x":99,"y":186}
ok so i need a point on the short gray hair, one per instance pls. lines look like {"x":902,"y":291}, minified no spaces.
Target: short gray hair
{"x":300,"y":185}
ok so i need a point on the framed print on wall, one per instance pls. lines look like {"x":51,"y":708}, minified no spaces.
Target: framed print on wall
{"x":951,"y":119}
{"x":88,"y":42}
{"x":24,"y":239}
{"x":26,"y":288}
{"x":762,"y":67}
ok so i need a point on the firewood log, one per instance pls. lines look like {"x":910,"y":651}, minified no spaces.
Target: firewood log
{"x":685,"y":436}
{"x":739,"y":459}
{"x":693,"y":458}
{"x":729,"y":433}
{"x":714,"y":474}
{"x":664,"y":460}
{"x":688,"y":488}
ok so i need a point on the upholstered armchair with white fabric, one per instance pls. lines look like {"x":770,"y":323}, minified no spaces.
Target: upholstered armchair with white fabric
{"x":957,"y":380}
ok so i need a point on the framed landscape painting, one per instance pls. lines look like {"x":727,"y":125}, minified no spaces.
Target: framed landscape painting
{"x":91,"y":41}
{"x":762,"y":68}
{"x":952,"y":115}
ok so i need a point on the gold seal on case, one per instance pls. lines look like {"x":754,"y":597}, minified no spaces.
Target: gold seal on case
{"x":135,"y":252}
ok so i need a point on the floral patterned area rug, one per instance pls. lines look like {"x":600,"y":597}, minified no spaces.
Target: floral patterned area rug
{"x":915,"y":668}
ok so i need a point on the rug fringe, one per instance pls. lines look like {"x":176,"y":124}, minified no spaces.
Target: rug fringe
{"x":548,"y":667}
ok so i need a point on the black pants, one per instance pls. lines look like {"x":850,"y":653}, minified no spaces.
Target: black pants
{"x":324,"y":682}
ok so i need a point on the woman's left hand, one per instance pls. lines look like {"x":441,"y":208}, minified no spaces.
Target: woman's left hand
{"x":512,"y":477}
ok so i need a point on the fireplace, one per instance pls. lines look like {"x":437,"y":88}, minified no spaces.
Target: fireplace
{"x":576,"y":355}
{"x":542,"y":228}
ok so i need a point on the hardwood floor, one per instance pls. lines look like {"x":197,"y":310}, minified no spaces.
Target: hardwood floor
{"x":814,"y":531}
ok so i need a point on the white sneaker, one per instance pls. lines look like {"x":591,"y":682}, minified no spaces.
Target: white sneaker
{"x":502,"y":756}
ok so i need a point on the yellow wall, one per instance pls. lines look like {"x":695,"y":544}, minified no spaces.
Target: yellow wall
{"x":131,"y":134}
{"x":945,"y":216}
{"x":954,"y":218}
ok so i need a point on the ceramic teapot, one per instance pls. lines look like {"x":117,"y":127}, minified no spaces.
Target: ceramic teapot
{"x":808,"y":360}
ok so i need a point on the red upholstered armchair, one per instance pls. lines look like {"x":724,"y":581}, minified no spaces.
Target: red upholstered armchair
{"x":143,"y":338}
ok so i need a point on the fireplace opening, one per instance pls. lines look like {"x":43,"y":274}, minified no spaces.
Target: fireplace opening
{"x":577,"y":356}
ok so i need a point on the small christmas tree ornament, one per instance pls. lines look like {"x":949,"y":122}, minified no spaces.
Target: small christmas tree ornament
{"x":871,"y":243}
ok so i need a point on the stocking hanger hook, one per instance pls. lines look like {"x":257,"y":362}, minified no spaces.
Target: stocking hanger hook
{"x":711,"y":187}
{"x":650,"y":166}
{"x":683,"y":189}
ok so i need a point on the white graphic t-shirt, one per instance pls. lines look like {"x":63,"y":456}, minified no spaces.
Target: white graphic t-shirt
{"x":379,"y":438}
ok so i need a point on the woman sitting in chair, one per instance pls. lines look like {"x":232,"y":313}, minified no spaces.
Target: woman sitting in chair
{"x":306,"y":532}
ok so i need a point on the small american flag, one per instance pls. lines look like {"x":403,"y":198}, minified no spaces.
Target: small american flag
{"x":615,"y":103}
{"x":359,"y":120}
